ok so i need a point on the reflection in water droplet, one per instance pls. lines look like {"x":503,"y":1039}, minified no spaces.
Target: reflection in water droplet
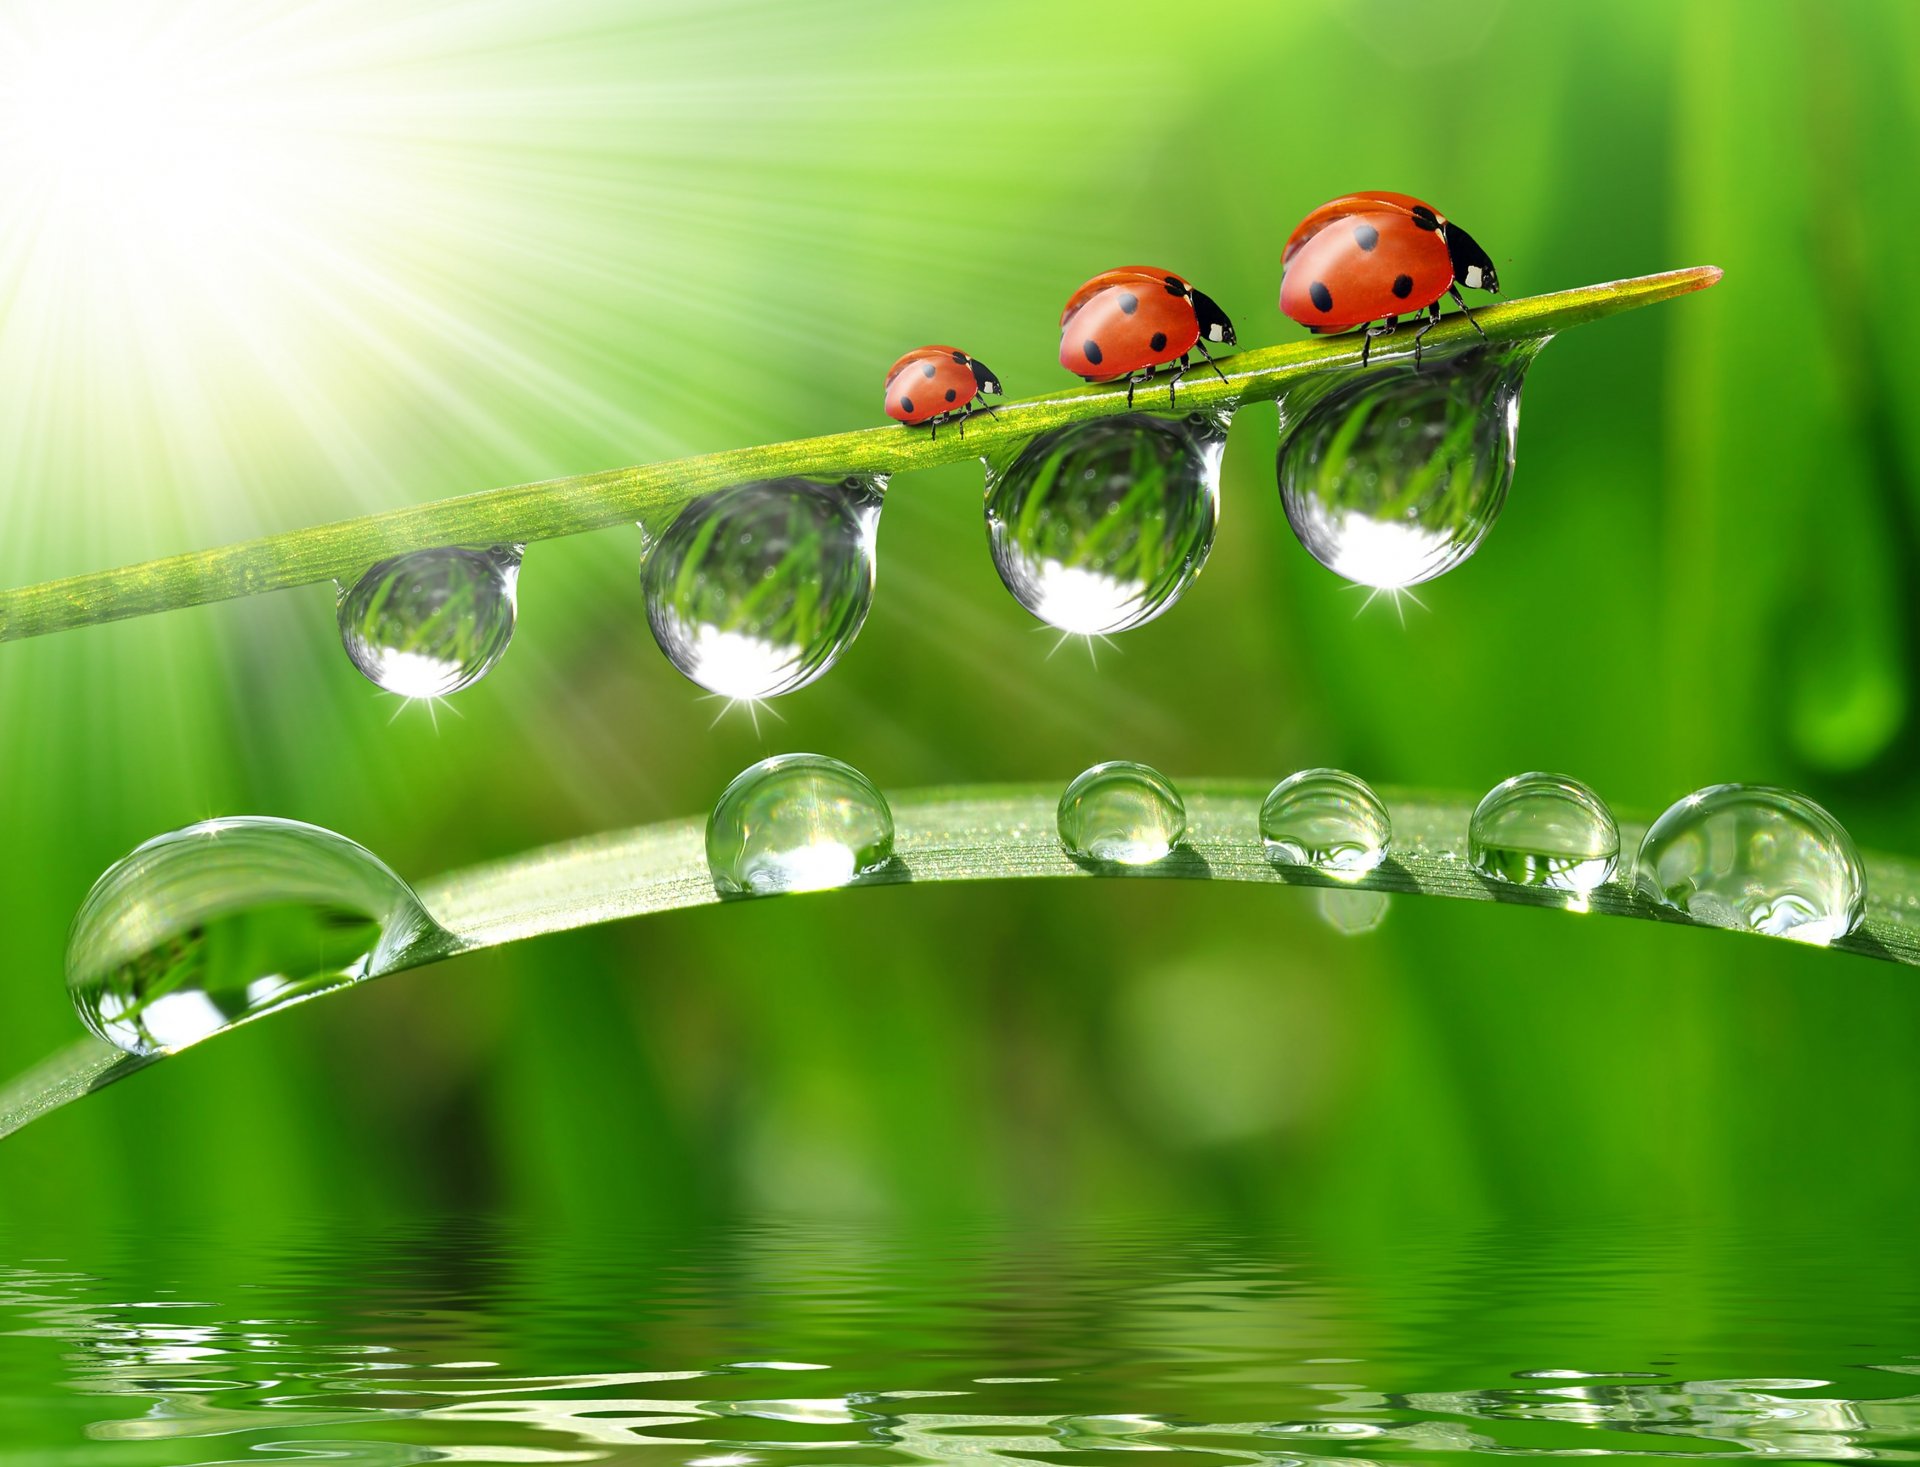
{"x":1351,"y":912}
{"x":756,"y":590}
{"x":1327,"y":820}
{"x":1544,"y":830}
{"x":1121,"y":814}
{"x":1098,"y":527}
{"x":797,"y":822}
{"x":433,"y":622}
{"x":1393,"y":476}
{"x":203,"y":928}
{"x":1751,"y":856}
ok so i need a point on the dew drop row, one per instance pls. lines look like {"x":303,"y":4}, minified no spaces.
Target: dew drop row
{"x":1389,"y":477}
{"x":207,"y":927}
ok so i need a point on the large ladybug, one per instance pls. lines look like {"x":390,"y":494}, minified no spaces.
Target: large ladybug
{"x":1375,"y":257}
{"x":932,"y":385}
{"x":1126,"y":322}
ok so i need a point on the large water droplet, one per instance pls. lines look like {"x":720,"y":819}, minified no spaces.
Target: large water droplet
{"x":1751,"y":856}
{"x":430,"y":623}
{"x":1392,"y":476}
{"x":206,"y":927}
{"x":1544,"y":830}
{"x":1121,"y":814}
{"x":1326,"y":820}
{"x":797,"y":822}
{"x":755,"y":590}
{"x":1098,"y":527}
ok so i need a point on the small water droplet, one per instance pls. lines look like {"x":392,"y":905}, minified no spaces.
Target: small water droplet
{"x":207,"y":927}
{"x":797,"y":822}
{"x":1098,"y":527}
{"x":1351,"y":912}
{"x":1121,"y":814}
{"x":1327,"y":820}
{"x":1755,"y":857}
{"x":427,"y":624}
{"x":1544,"y":830}
{"x":1393,"y":476}
{"x":755,"y":590}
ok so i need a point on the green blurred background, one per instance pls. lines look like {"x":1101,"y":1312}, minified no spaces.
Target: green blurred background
{"x":322,"y":258}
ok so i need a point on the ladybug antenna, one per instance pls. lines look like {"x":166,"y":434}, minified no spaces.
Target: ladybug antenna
{"x":1472,"y":266}
{"x":983,"y":377}
{"x":1214,"y":325}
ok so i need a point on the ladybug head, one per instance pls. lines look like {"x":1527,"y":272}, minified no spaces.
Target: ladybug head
{"x":983,"y":377}
{"x":1472,"y":266}
{"x":1214,"y":325}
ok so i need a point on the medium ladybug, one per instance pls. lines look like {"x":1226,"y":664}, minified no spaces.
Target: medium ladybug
{"x":1126,"y":322}
{"x":932,"y":385}
{"x":1374,"y":257}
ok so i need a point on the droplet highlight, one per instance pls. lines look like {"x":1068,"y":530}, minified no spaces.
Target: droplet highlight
{"x":797,"y":822}
{"x":1755,"y":857}
{"x":1351,"y":912}
{"x":1393,"y":476}
{"x":207,"y":927}
{"x":1121,"y":814}
{"x":755,"y":590}
{"x":1098,"y":527}
{"x":1544,"y":830}
{"x":433,"y":622}
{"x":1325,"y":820}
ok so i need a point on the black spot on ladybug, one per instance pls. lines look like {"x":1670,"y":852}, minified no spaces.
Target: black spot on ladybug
{"x":1403,"y":286}
{"x":1129,"y":302}
{"x":926,"y":369}
{"x":960,"y":357}
{"x":1366,"y":236}
{"x":1425,"y":218}
{"x":1176,"y":286}
{"x":1322,"y":297}
{"x":1092,"y":349}
{"x":951,"y":394}
{"x":906,"y":404}
{"x":1159,"y":341}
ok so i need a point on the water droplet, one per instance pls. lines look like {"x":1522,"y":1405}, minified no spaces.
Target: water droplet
{"x":1351,"y":912}
{"x":1327,"y":820}
{"x":430,"y":623}
{"x":1393,"y":476}
{"x":797,"y":822}
{"x":1755,"y":857}
{"x":1121,"y":814}
{"x":756,"y":590}
{"x":1098,"y":527}
{"x":207,"y":927}
{"x":1544,"y":830}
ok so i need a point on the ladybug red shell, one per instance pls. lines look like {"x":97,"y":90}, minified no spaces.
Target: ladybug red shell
{"x":933,"y":384}
{"x":1377,"y":256}
{"x":1126,"y":322}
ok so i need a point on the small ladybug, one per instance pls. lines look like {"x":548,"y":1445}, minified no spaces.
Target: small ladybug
{"x":932,"y":385}
{"x":1126,"y":322}
{"x":1376,"y":257}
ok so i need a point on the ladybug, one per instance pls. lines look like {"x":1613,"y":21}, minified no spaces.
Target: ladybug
{"x":932,"y":385}
{"x":1374,"y":257}
{"x":1126,"y":322}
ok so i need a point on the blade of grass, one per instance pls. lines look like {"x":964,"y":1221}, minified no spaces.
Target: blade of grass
{"x":652,"y":493}
{"x":978,"y":833}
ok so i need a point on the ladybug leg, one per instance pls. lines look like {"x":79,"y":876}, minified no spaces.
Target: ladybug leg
{"x":1433,"y":320}
{"x":1461,"y":301}
{"x":1201,"y":344}
{"x":1179,"y":371}
{"x":1379,"y":328}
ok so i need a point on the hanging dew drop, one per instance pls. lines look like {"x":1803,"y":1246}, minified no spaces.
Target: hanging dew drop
{"x":1325,"y":820}
{"x":430,"y":623}
{"x":1755,"y":857}
{"x":797,"y":822}
{"x":1544,"y":830}
{"x":1098,"y":527}
{"x":1121,"y":814}
{"x":1393,"y":476}
{"x":1351,"y":912}
{"x":207,"y":927}
{"x":756,"y":590}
